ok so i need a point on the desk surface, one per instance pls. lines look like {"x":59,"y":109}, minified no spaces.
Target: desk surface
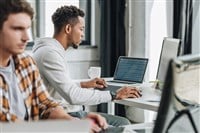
{"x":138,"y":103}
{"x":149,"y":102}
{"x":132,"y":127}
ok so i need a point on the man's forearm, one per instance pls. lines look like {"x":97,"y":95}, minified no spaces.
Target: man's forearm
{"x":59,"y":113}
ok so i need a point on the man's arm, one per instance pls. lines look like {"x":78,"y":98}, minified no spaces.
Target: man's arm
{"x":94,"y":83}
{"x":59,"y":113}
{"x":97,"y":121}
{"x":52,"y":67}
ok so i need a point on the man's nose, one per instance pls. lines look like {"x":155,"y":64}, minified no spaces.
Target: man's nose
{"x":25,"y":36}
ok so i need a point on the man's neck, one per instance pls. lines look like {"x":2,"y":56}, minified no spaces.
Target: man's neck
{"x":4,"y":62}
{"x":62,"y":40}
{"x":4,"y":59}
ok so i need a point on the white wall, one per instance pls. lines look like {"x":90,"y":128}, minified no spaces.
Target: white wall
{"x":80,"y":60}
{"x":148,"y":22}
{"x":136,"y":28}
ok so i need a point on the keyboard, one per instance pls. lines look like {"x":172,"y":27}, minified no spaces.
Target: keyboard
{"x":110,"y":88}
{"x":119,"y":81}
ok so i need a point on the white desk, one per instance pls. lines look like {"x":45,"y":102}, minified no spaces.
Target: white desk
{"x":132,"y":127}
{"x":148,"y":103}
{"x":137,"y":103}
{"x":153,"y":106}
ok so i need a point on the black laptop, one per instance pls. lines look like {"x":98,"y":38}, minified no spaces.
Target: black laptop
{"x":130,"y":70}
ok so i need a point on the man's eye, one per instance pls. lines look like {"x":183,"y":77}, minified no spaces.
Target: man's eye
{"x":17,"y":28}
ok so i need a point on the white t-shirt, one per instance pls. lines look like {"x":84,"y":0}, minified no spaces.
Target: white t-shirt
{"x":16,"y":101}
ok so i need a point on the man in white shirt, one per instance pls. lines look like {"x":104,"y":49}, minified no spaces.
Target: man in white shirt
{"x":49,"y":53}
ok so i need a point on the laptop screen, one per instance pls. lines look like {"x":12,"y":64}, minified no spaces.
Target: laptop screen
{"x":130,"y":69}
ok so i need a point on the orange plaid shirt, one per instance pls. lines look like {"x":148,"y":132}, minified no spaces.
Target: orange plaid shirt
{"x":37,"y":101}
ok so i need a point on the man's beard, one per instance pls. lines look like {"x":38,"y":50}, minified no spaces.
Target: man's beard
{"x":74,"y":46}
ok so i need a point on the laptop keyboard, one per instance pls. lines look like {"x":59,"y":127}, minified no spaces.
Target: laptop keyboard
{"x":113,"y":88}
{"x":110,"y":88}
{"x":118,"y":81}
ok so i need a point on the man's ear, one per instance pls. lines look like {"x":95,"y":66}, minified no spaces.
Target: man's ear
{"x":68,"y":28}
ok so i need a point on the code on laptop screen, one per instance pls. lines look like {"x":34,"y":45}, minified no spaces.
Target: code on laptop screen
{"x":131,"y":69}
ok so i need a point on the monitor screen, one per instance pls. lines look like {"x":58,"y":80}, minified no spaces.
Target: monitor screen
{"x":131,"y":69}
{"x":170,"y":49}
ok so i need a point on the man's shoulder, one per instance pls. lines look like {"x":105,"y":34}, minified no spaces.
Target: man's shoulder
{"x":23,"y":59}
{"x":46,"y":46}
{"x":23,"y":56}
{"x":46,"y":42}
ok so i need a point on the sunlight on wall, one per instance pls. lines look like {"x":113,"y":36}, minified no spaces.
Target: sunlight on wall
{"x":157,"y":32}
{"x":157,"y":24}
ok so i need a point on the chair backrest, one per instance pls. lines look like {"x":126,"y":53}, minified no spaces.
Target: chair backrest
{"x":170,"y":49}
{"x":179,"y":112}
{"x":186,"y":75}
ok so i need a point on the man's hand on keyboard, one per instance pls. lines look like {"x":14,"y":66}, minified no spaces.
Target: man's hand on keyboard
{"x":128,"y":92}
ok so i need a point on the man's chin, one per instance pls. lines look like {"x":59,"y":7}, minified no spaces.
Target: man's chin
{"x":18,"y":52}
{"x":75,"y":46}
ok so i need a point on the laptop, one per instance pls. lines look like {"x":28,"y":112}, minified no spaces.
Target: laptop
{"x":130,"y":70}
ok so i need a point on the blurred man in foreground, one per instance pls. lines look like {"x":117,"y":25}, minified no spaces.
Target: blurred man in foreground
{"x":23,"y":95}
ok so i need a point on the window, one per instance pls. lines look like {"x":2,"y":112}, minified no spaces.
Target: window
{"x":160,"y":25}
{"x":42,"y":24}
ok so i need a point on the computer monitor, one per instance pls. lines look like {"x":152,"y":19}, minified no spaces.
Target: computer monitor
{"x":170,"y":49}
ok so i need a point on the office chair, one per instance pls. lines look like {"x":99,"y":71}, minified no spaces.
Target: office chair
{"x":180,"y":100}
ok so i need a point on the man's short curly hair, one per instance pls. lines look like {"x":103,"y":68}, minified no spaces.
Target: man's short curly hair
{"x":66,"y":15}
{"x":8,"y":7}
